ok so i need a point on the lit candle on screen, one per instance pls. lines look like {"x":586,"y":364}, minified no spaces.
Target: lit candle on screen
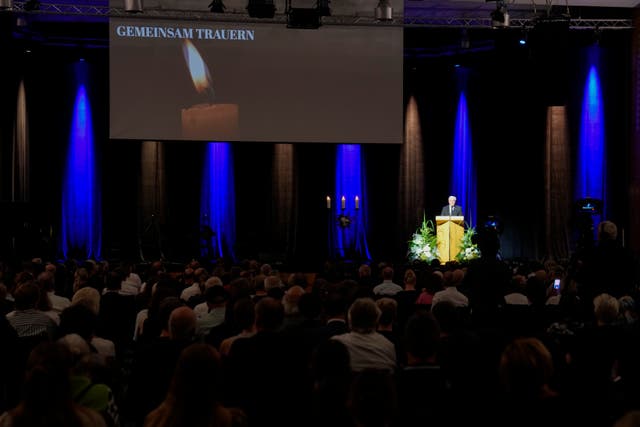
{"x":357,"y":202}
{"x":344,"y":201}
{"x":328,"y":202}
{"x":209,"y":120}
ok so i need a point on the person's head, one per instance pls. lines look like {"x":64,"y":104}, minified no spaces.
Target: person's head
{"x":182,"y":323}
{"x":607,"y":230}
{"x":78,"y":319}
{"x":387,"y":273}
{"x":453,"y":278}
{"x":26,"y":296}
{"x":410,"y":279}
{"x":196,"y":382}
{"x":452,"y":200}
{"x":388,"y":311}
{"x":266,"y":269}
{"x":606,"y":309}
{"x":46,"y":281}
{"x":188,"y":276}
{"x":363,"y":315}
{"x":526,"y":367}
{"x":244,"y":314}
{"x":89,"y":297}
{"x":213,"y":281}
{"x":448,"y":316}
{"x":80,"y":351}
{"x":364,"y":270}
{"x":269,"y":314}
{"x":290,"y":300}
{"x":47,"y":390}
{"x":421,"y":337}
{"x":165,"y":309}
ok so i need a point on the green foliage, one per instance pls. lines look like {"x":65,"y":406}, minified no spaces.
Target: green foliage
{"x":423,"y":245}
{"x":468,"y":249}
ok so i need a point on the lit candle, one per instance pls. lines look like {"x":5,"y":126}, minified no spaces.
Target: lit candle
{"x":328,"y":202}
{"x":210,"y":121}
{"x":357,"y":202}
{"x":343,"y":202}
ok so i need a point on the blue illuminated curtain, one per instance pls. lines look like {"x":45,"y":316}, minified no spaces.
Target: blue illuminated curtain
{"x":463,"y":174}
{"x":348,"y":233}
{"x":590,"y":179}
{"x":218,"y":203}
{"x":81,"y":222}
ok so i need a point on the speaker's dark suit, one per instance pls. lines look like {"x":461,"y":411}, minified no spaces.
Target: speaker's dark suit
{"x":456,"y":211}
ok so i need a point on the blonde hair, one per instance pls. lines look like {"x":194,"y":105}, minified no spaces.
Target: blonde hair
{"x":410,"y":276}
{"x":606,"y":309}
{"x":89,"y":297}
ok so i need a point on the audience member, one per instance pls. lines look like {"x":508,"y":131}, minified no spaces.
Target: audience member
{"x":367,"y":348}
{"x":47,"y":399}
{"x":387,"y":287}
{"x":195,"y":396}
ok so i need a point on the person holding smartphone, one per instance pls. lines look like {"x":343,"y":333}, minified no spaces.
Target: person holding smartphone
{"x":554,"y":292}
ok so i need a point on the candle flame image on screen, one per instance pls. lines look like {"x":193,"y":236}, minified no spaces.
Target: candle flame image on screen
{"x":198,"y":69}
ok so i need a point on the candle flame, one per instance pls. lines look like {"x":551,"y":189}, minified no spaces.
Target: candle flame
{"x":198,"y":69}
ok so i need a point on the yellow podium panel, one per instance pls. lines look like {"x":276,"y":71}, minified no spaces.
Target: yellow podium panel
{"x":449,"y":232}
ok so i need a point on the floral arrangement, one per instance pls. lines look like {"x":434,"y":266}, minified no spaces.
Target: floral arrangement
{"x":468,"y":249}
{"x":424,"y":243}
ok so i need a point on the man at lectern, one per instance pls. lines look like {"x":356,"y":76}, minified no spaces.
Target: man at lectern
{"x":452,"y":209}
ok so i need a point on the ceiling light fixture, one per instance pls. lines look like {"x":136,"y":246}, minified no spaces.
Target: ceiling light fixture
{"x":133,"y":6}
{"x":500,"y":16}
{"x":384,"y":11}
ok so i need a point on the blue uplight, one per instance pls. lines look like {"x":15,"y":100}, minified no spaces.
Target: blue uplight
{"x":590,"y":182}
{"x":81,"y":222}
{"x":349,"y":236}
{"x":218,"y":202}
{"x":463,"y":177}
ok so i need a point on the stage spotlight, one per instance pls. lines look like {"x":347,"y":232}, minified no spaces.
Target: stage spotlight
{"x":500,"y":16}
{"x":6,"y":4}
{"x":32,"y":5}
{"x":133,"y":6}
{"x":384,"y":11}
{"x":216,"y":6}
{"x":323,"y":8}
{"x":304,"y":18}
{"x":261,"y":8}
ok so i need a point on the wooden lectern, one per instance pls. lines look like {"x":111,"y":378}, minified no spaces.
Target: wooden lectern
{"x":449,"y":232}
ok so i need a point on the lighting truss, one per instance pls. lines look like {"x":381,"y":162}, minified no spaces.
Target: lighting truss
{"x":424,"y":20}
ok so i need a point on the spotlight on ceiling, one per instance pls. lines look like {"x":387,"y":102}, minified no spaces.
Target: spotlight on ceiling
{"x":306,"y":17}
{"x":261,"y":8}
{"x":32,"y":5}
{"x":216,"y":6}
{"x":323,"y":7}
{"x":500,"y":16}
{"x":384,"y":11}
{"x":303,"y":18}
{"x":6,"y":4}
{"x":133,"y":6}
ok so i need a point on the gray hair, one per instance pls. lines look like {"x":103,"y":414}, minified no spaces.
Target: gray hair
{"x":364,"y":315}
